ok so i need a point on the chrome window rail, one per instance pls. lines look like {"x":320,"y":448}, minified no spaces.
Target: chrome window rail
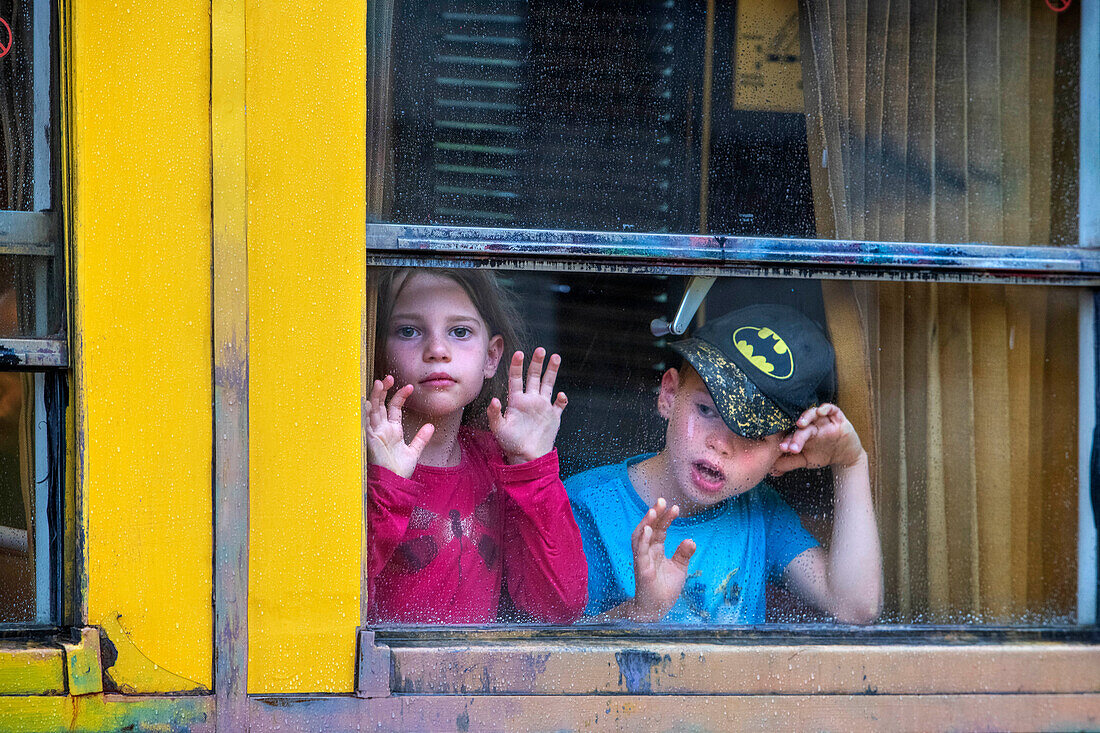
{"x":396,"y":244}
{"x":28,"y":233}
{"x":32,"y":233}
{"x":41,"y":353}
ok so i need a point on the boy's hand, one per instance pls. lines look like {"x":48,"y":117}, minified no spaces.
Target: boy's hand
{"x":527,"y":429}
{"x":658,"y":579}
{"x":822,"y":437}
{"x":385,"y":437}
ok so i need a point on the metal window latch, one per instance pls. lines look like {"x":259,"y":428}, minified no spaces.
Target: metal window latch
{"x":697,"y":290}
{"x":375,"y":664}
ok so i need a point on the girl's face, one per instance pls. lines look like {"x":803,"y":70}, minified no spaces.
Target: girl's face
{"x":438,"y":342}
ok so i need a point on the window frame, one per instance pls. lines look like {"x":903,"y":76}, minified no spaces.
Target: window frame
{"x":39,"y":233}
{"x":403,"y":659}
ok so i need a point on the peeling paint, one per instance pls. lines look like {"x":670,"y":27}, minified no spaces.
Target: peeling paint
{"x":130,"y":671}
{"x":636,"y":668}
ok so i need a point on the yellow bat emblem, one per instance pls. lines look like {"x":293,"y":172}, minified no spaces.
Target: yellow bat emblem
{"x":766,"y":350}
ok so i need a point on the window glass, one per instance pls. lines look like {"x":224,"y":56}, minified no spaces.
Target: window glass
{"x":17,"y":88}
{"x":28,"y":526}
{"x":26,"y":308}
{"x":965,"y":397}
{"x":31,"y":320}
{"x":738,"y":118}
{"x":31,"y":278}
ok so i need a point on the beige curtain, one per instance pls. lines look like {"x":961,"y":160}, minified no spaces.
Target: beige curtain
{"x":935,"y":122}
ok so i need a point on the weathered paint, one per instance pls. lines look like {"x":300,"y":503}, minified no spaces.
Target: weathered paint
{"x":306,"y":279}
{"x":97,"y":713}
{"x":34,"y":353}
{"x":229,"y":139}
{"x":141,"y":241}
{"x":31,"y":668}
{"x":84,"y":674}
{"x":74,"y":575}
{"x":702,"y":254}
{"x":126,"y":668}
{"x":676,"y":712}
{"x":52,"y":666}
{"x":578,"y":667}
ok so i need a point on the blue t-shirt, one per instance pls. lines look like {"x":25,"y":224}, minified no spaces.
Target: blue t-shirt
{"x":739,"y":543}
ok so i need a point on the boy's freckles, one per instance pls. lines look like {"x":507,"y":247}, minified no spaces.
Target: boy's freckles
{"x":707,"y":461}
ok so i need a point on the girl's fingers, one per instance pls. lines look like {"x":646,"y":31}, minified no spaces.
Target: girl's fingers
{"x":378,"y":401}
{"x":534,"y":372}
{"x":561,"y":401}
{"x":494,"y":414}
{"x":515,"y":373}
{"x":420,"y":440}
{"x":551,"y":376}
{"x":376,"y":393}
{"x":372,"y":413}
{"x":398,"y":401}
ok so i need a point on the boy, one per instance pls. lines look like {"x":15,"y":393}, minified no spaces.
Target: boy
{"x":748,"y":402}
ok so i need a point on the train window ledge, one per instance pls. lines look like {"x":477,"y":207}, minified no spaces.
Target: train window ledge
{"x":805,"y":660}
{"x":58,"y":663}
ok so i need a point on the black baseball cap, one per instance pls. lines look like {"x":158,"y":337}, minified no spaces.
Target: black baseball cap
{"x":763,"y":365}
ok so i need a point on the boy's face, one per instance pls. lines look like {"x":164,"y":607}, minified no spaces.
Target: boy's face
{"x":708,"y":461}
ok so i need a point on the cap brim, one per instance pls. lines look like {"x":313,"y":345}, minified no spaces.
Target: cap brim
{"x":743,"y":407}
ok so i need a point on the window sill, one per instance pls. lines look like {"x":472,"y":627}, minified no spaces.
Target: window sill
{"x":722,"y":662}
{"x":56,"y":666}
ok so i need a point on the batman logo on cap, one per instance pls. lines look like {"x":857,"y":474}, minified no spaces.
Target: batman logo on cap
{"x":765,"y":350}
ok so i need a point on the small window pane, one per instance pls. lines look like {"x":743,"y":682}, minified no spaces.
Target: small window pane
{"x":28,"y":518}
{"x":17,"y":105}
{"x":25,"y":309}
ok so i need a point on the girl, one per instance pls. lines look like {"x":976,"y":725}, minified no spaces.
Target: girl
{"x":453,"y":509}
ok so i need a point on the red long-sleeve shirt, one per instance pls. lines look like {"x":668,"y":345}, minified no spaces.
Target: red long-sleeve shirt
{"x":440,"y":542}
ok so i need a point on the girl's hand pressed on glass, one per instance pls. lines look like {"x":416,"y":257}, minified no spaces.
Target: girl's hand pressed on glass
{"x":527,"y":428}
{"x":386,"y":445}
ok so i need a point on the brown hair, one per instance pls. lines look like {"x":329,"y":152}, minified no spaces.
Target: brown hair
{"x":494,"y":304}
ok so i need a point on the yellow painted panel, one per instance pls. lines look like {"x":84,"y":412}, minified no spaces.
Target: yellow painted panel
{"x":31,"y":669}
{"x":98,"y":713}
{"x":306,"y":192}
{"x":142,"y":321}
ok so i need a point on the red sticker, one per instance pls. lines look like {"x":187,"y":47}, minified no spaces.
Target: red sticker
{"x":1058,"y":5}
{"x":5,"y":47}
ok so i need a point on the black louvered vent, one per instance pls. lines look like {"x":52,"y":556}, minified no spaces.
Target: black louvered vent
{"x":539,"y":114}
{"x":479,"y":137}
